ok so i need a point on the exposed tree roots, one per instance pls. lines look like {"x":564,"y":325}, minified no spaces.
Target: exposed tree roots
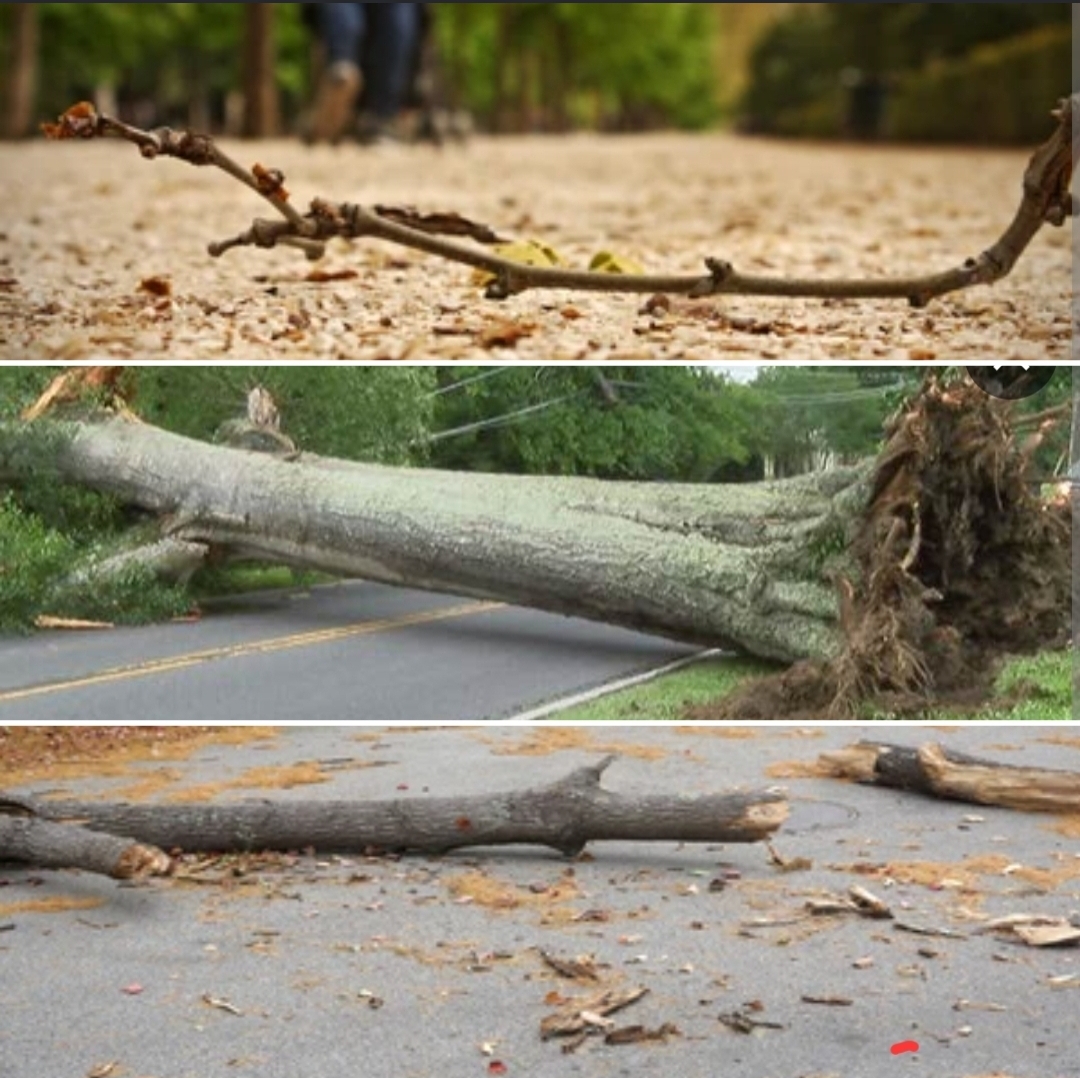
{"x":961,"y":562}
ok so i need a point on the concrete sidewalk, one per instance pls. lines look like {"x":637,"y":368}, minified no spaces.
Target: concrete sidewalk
{"x":431,"y":967}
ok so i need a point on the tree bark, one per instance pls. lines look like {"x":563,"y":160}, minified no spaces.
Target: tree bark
{"x":736,"y":567}
{"x":22,"y":74}
{"x":261,"y":106}
{"x":956,"y":776}
{"x":26,"y":836}
{"x":565,"y":816}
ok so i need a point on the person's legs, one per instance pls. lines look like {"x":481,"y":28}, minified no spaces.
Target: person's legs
{"x":341,"y":29}
{"x":390,"y":53}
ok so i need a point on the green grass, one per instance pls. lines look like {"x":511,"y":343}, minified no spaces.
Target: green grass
{"x":1044,"y":683}
{"x":1049,"y":680}
{"x":248,"y":579}
{"x":666,"y":699}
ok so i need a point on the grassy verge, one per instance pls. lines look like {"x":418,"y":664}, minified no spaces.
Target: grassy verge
{"x":246,"y":579}
{"x":1030,"y":689}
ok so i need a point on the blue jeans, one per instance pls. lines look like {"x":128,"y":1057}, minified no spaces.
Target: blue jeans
{"x":383,"y":40}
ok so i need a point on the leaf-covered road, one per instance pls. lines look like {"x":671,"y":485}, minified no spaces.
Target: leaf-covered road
{"x":104,"y":255}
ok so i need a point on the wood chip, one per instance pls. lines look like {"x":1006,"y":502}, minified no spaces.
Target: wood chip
{"x":579,"y":1015}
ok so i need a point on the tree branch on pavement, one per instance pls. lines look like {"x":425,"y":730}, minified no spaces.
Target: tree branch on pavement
{"x":565,"y":816}
{"x":1047,"y":200}
{"x":955,"y":776}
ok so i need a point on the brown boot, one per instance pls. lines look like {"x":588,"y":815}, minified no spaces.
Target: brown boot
{"x":338,"y":91}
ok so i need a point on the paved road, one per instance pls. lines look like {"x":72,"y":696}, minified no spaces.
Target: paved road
{"x":297,"y":949}
{"x":348,"y":653}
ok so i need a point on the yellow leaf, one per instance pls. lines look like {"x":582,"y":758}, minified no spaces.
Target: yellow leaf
{"x":525,"y":253}
{"x":606,"y":262}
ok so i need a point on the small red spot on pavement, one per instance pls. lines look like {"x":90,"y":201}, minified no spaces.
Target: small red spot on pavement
{"x":904,"y":1048}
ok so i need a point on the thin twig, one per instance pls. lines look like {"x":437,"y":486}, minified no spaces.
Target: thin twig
{"x":1047,"y":200}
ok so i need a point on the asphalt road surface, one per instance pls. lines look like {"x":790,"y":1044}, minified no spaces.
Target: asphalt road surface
{"x":346,"y":653}
{"x":431,"y":967}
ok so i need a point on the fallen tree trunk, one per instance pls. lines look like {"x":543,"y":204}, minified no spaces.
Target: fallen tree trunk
{"x":565,"y":816}
{"x":718,"y":566}
{"x":941,"y":772}
{"x":905,"y":576}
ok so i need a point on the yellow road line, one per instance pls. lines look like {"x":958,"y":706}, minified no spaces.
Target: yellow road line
{"x":258,"y":647}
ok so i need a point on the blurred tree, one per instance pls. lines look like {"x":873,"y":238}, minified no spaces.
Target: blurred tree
{"x":22,"y":70}
{"x":180,"y":64}
{"x":549,"y":67}
{"x":804,"y":64}
{"x":261,"y":110}
{"x":817,"y":416}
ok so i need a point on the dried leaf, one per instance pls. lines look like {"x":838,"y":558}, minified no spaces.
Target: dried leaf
{"x":156,"y":286}
{"x":80,"y":121}
{"x":870,"y":905}
{"x":1062,"y":935}
{"x":331,"y":276}
{"x":641,"y":1035}
{"x":106,"y":1070}
{"x":221,"y":1005}
{"x":578,"y":1015}
{"x":743,"y":1023}
{"x":505,"y":334}
{"x":271,"y":183}
{"x":583,"y":969}
{"x":439,"y":224}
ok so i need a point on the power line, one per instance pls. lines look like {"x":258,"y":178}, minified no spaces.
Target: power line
{"x":493,"y":373}
{"x":501,"y":421}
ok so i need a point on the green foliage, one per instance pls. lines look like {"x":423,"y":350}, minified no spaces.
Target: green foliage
{"x":168,"y":54}
{"x":35,"y":559}
{"x":662,"y":423}
{"x":32,"y":557}
{"x":965,"y":72}
{"x":811,"y":413}
{"x":998,"y":93}
{"x":554,"y":66}
{"x":21,"y":386}
{"x":357,"y":413}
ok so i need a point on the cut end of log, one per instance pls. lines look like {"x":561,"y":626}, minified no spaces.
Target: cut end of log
{"x":768,"y":817}
{"x":139,"y":862}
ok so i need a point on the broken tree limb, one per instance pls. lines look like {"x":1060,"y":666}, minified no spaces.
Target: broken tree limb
{"x":169,"y":560}
{"x":1047,"y":201}
{"x":565,"y":816}
{"x":940,"y":772}
{"x":26,"y":836}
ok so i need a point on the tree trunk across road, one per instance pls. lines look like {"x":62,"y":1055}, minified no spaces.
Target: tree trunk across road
{"x":718,"y":566}
{"x":903,"y":574}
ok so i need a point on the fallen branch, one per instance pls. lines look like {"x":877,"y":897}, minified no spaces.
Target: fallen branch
{"x":26,"y":836}
{"x":941,"y":772}
{"x":1047,"y":200}
{"x":564,"y":816}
